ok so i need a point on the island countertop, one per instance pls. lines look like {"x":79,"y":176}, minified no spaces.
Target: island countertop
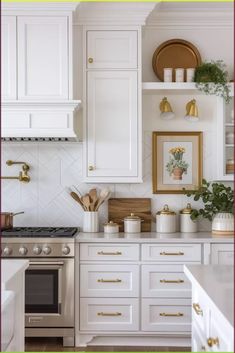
{"x":10,"y":269}
{"x":216,"y":281}
{"x":152,"y":237}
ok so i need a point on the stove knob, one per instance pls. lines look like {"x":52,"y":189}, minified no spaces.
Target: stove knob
{"x":37,"y":250}
{"x":23,"y":250}
{"x":46,"y":250}
{"x":7,"y":251}
{"x":66,"y":250}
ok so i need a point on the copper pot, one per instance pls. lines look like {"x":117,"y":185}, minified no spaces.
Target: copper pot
{"x":7,"y":219}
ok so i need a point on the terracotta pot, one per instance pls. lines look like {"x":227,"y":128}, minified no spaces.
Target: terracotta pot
{"x":177,"y":173}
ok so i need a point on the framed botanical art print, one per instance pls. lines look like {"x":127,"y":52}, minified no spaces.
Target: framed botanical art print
{"x":177,"y":161}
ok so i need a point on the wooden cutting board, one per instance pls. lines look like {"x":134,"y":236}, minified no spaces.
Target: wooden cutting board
{"x":119,"y":208}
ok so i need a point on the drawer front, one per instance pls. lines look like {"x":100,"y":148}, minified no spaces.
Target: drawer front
{"x":109,"y":281}
{"x":171,"y":252}
{"x":109,"y":252}
{"x":198,"y":340}
{"x":104,"y":314}
{"x":222,"y":254}
{"x":200,"y":310}
{"x":166,"y":315}
{"x":221,"y":335}
{"x":165,"y":281}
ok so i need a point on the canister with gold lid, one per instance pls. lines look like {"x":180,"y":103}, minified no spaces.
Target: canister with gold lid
{"x":187,"y":225}
{"x":132,"y":224}
{"x":166,"y":220}
{"x":111,"y":228}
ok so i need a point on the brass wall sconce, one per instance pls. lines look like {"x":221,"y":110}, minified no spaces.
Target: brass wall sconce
{"x":23,"y":175}
{"x":191,"y":111}
{"x":166,"y":110}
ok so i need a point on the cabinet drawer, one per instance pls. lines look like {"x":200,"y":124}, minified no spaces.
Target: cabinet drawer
{"x":166,"y":315}
{"x":171,"y":252}
{"x":165,"y":281}
{"x":109,"y":252}
{"x":109,"y":281}
{"x":200,"y":310}
{"x":104,"y":314}
{"x":222,"y":254}
{"x":111,"y":49}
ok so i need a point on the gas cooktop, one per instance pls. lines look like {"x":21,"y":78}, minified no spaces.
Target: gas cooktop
{"x":39,"y":232}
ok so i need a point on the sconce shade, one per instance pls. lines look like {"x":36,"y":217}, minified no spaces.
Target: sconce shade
{"x":166,"y":110}
{"x":192,"y":111}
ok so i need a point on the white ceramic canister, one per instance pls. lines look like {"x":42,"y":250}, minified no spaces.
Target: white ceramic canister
{"x":166,"y":220}
{"x":90,"y":222}
{"x":190,"y":72}
{"x":168,"y":71}
{"x":111,"y":228}
{"x":230,"y":137}
{"x":132,"y":224}
{"x":187,"y":225}
{"x":179,"y":75}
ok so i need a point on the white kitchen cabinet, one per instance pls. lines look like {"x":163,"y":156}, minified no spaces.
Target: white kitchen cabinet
{"x":42,"y":57}
{"x":112,"y":113}
{"x":112,"y":49}
{"x":8,"y":58}
{"x":222,"y":254}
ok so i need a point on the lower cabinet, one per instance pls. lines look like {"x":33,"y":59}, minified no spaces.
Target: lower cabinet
{"x":222,"y":254}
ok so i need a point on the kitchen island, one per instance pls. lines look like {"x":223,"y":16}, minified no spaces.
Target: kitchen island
{"x":13,"y":279}
{"x":212,"y":307}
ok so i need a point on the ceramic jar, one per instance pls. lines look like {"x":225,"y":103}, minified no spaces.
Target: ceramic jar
{"x":111,"y":228}
{"x":230,"y":137}
{"x":168,"y":74}
{"x":132,"y":224}
{"x":190,"y":72}
{"x":90,"y":222}
{"x":187,"y":225}
{"x":166,"y":221}
{"x":230,"y":166}
{"x":223,"y":224}
{"x":179,"y":75}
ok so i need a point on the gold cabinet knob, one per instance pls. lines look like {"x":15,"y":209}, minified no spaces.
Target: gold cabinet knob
{"x":90,"y":168}
{"x":90,"y":60}
{"x":212,"y":341}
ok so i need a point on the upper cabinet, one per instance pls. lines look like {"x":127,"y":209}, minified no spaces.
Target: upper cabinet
{"x":113,"y":127}
{"x":8,"y":58}
{"x":42,"y":58}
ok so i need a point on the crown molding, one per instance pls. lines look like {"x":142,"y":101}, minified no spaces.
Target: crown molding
{"x":56,"y":6}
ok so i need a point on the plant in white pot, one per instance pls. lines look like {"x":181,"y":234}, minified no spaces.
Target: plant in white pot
{"x":218,"y":202}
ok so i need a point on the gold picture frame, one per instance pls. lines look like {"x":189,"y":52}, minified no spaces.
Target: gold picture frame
{"x":176,"y":161}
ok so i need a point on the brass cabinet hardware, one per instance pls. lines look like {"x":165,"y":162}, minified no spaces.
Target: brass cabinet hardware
{"x":90,"y":60}
{"x":172,"y":253}
{"x":23,"y":175}
{"x":171,"y":314}
{"x":109,"y":253}
{"x":197,"y":309}
{"x":171,"y":281}
{"x":213,"y":341}
{"x":109,"y":314}
{"x":101,"y":280}
{"x":90,"y":168}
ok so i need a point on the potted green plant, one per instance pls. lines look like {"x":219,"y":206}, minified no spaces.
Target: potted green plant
{"x":212,"y":78}
{"x":176,"y":165}
{"x":218,"y":202}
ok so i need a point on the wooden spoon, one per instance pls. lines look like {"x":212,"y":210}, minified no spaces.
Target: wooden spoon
{"x":86,"y":202}
{"x":77,"y":198}
{"x":94,"y":197}
{"x":104,"y":195}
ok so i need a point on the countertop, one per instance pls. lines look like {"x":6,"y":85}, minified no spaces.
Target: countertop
{"x":152,"y":237}
{"x":10,"y":268}
{"x":216,"y":281}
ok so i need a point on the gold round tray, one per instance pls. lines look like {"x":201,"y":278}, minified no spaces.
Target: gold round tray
{"x":175,"y":53}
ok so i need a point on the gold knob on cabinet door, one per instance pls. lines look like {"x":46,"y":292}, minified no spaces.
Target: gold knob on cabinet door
{"x":212,"y":341}
{"x":90,"y":60}
{"x":90,"y":168}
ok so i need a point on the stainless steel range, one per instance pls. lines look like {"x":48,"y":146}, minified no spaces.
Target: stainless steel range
{"x":49,"y":280}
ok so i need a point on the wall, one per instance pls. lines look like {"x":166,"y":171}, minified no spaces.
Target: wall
{"x":56,"y":166}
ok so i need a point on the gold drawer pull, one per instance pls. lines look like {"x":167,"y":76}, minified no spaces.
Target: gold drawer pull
{"x":171,"y":281}
{"x":212,"y":341}
{"x":109,"y":280}
{"x":168,"y":314}
{"x":171,"y":253}
{"x":109,"y":253}
{"x":197,"y":309}
{"x":109,"y":314}
{"x":90,"y":60}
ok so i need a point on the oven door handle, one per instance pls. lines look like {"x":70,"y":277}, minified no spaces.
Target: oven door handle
{"x":48,"y":263}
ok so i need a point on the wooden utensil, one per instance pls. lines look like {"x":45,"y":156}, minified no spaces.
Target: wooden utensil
{"x":77,"y":198}
{"x":86,"y":201}
{"x":104,"y":195}
{"x":119,"y":208}
{"x":94,"y":197}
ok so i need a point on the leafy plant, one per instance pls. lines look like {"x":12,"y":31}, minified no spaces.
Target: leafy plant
{"x":176,"y":163}
{"x":212,"y":78}
{"x":216,"y":198}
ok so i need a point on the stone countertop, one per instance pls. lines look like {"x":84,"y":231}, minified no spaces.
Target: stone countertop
{"x":10,"y":268}
{"x":152,"y":237}
{"x":216,"y":281}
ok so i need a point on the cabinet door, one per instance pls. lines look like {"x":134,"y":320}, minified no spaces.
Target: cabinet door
{"x":112,"y":126}
{"x":8,"y":62}
{"x":111,"y":49}
{"x":42,"y":58}
{"x":222,"y":254}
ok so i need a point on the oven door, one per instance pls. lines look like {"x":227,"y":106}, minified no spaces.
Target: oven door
{"x":49,"y":293}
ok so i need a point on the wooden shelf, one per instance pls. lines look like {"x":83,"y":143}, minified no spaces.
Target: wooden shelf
{"x":229,"y":124}
{"x":229,"y":145}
